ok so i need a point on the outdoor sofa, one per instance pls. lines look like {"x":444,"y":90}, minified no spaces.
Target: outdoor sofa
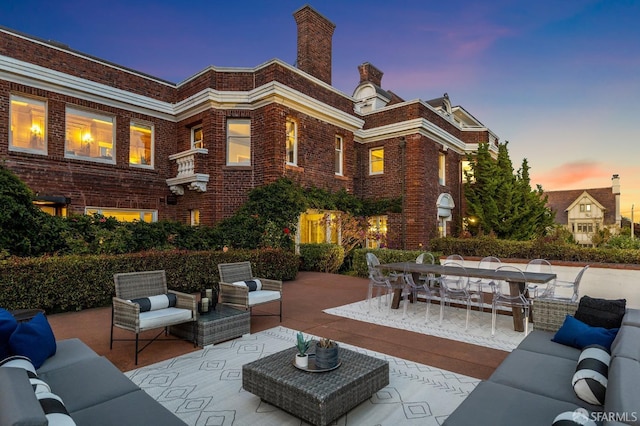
{"x":65,"y":382}
{"x":534,"y":384}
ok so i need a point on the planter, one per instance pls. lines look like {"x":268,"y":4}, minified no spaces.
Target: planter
{"x":302,"y":361}
{"x":326,"y":357}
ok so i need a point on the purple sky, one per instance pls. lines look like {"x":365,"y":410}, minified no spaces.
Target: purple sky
{"x":559,"y":80}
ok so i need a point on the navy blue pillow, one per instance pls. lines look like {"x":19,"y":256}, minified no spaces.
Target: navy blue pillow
{"x":579,"y":335}
{"x":34,"y":339}
{"x":7,"y":326}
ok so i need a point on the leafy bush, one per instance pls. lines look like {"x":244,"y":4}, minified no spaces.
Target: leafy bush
{"x":384,"y":256}
{"x":321,"y":257}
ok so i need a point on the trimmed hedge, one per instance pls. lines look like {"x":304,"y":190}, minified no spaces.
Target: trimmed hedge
{"x":321,"y":257}
{"x":384,"y":256}
{"x":72,"y":283}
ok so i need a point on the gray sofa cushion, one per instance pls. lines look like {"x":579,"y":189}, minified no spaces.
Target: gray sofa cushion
{"x":540,"y":341}
{"x":135,"y":408}
{"x":627,"y":343}
{"x":541,"y":374}
{"x":88,"y":382}
{"x":631,"y":317}
{"x":622,"y":396}
{"x":494,"y":404}
{"x":18,"y":403}
{"x":68,"y":352}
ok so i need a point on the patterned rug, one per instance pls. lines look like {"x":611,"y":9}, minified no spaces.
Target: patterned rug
{"x":453,"y":324}
{"x":205,"y":387}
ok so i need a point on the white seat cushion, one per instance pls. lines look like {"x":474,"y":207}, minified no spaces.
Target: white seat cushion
{"x":262,"y":296}
{"x":163,"y":317}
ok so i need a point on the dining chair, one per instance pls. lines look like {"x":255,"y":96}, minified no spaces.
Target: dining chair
{"x":540,"y":266}
{"x":571,"y":288}
{"x":426,"y":258}
{"x":484,"y":284}
{"x":502,"y":297}
{"x":415,"y":290}
{"x":456,"y":287}
{"x":382,"y":283}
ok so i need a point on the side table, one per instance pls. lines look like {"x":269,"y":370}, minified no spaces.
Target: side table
{"x":213,"y":327}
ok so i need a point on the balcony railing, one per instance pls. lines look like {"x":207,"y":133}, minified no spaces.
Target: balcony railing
{"x":187,"y":175}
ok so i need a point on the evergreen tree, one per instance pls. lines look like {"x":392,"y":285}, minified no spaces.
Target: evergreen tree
{"x":502,"y":203}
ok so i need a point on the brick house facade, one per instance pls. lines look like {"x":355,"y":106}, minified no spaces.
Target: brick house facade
{"x":420,"y":145}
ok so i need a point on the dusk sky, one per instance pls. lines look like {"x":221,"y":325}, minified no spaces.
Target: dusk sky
{"x":559,"y":80}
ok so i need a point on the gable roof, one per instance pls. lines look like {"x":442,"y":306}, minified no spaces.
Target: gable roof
{"x":560,"y":201}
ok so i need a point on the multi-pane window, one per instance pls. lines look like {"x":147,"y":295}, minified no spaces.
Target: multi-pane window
{"x":89,"y":136}
{"x":376,"y":161}
{"x":124,"y":215}
{"x":196,"y":137}
{"x":339,"y":159}
{"x":28,"y":125}
{"x":585,"y":227}
{"x":238,"y":142}
{"x":140,"y":144}
{"x":585,"y":207}
{"x":442,"y":161}
{"x":377,"y":234}
{"x":292,"y":142}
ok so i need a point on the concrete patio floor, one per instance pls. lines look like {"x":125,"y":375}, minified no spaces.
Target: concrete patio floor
{"x":304,"y":300}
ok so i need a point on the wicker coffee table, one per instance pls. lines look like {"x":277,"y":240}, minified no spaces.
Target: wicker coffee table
{"x":217,"y":326}
{"x":318,"y":398}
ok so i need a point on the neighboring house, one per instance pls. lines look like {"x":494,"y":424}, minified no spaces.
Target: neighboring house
{"x":91,"y":136}
{"x":586,"y":211}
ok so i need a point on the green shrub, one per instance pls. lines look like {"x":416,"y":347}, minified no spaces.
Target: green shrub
{"x":384,"y":256}
{"x":321,"y":257}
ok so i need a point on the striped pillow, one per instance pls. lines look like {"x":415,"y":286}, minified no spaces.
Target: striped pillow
{"x":19,"y":361}
{"x":590,"y":379}
{"x":574,"y":418}
{"x":54,"y":409}
{"x":253,"y":285}
{"x":153,"y":303}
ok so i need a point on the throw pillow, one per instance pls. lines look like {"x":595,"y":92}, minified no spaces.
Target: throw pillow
{"x":18,"y":361}
{"x":590,"y":379}
{"x":578,"y":334}
{"x":7,"y":325}
{"x":601,"y":312}
{"x":54,"y":409}
{"x":252,"y":285}
{"x":577,"y":417}
{"x":34,"y":339}
{"x":153,"y":303}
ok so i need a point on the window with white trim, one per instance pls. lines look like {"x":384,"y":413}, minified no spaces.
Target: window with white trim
{"x":140,"y":144}
{"x":376,"y":161}
{"x":196,"y":137}
{"x":124,"y":215}
{"x":89,"y":136}
{"x":292,"y":142}
{"x":239,"y":142}
{"x":339,"y":159}
{"x":28,"y":130}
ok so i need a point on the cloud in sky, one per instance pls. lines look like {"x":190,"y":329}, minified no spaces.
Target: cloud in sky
{"x":574,"y":175}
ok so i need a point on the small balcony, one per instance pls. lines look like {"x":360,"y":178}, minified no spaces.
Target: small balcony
{"x":187,"y":176}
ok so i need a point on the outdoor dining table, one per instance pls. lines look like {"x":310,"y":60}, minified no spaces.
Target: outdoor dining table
{"x":514,"y":278}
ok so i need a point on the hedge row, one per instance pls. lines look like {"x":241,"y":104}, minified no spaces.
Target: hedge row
{"x":384,"y":256}
{"x":68,"y":283}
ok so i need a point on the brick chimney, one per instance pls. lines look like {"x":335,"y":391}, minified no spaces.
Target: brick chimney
{"x":369,"y":73}
{"x":315,"y":34}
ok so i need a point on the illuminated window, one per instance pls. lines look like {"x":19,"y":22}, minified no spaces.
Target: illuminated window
{"x":376,"y":161}
{"x":292,"y":142}
{"x":28,"y":125}
{"x":239,"y":142}
{"x":89,"y":136}
{"x":195,"y":217}
{"x":466,"y":167}
{"x":339,"y":156}
{"x":377,"y":235}
{"x":317,"y":226}
{"x":585,"y":207}
{"x":124,"y":215}
{"x":442,"y":161}
{"x":140,"y":144}
{"x":196,"y":137}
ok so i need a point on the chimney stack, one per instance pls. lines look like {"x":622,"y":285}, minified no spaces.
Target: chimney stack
{"x":315,"y":34}
{"x":371,"y":74}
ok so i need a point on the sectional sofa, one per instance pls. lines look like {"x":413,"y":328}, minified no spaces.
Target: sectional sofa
{"x":533,"y":385}
{"x":93,"y":391}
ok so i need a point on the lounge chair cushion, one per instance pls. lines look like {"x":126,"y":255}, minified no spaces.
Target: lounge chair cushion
{"x":627,"y":343}
{"x":34,"y":339}
{"x":263,"y":296}
{"x":163,"y":317}
{"x":252,"y":285}
{"x":153,"y":303}
{"x":590,"y":379}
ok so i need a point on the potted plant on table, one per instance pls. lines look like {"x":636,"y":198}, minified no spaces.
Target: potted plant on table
{"x":302,"y":359}
{"x":326,"y":354}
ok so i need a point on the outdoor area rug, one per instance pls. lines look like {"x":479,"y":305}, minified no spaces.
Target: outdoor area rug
{"x":478,"y":333}
{"x":205,"y":387}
